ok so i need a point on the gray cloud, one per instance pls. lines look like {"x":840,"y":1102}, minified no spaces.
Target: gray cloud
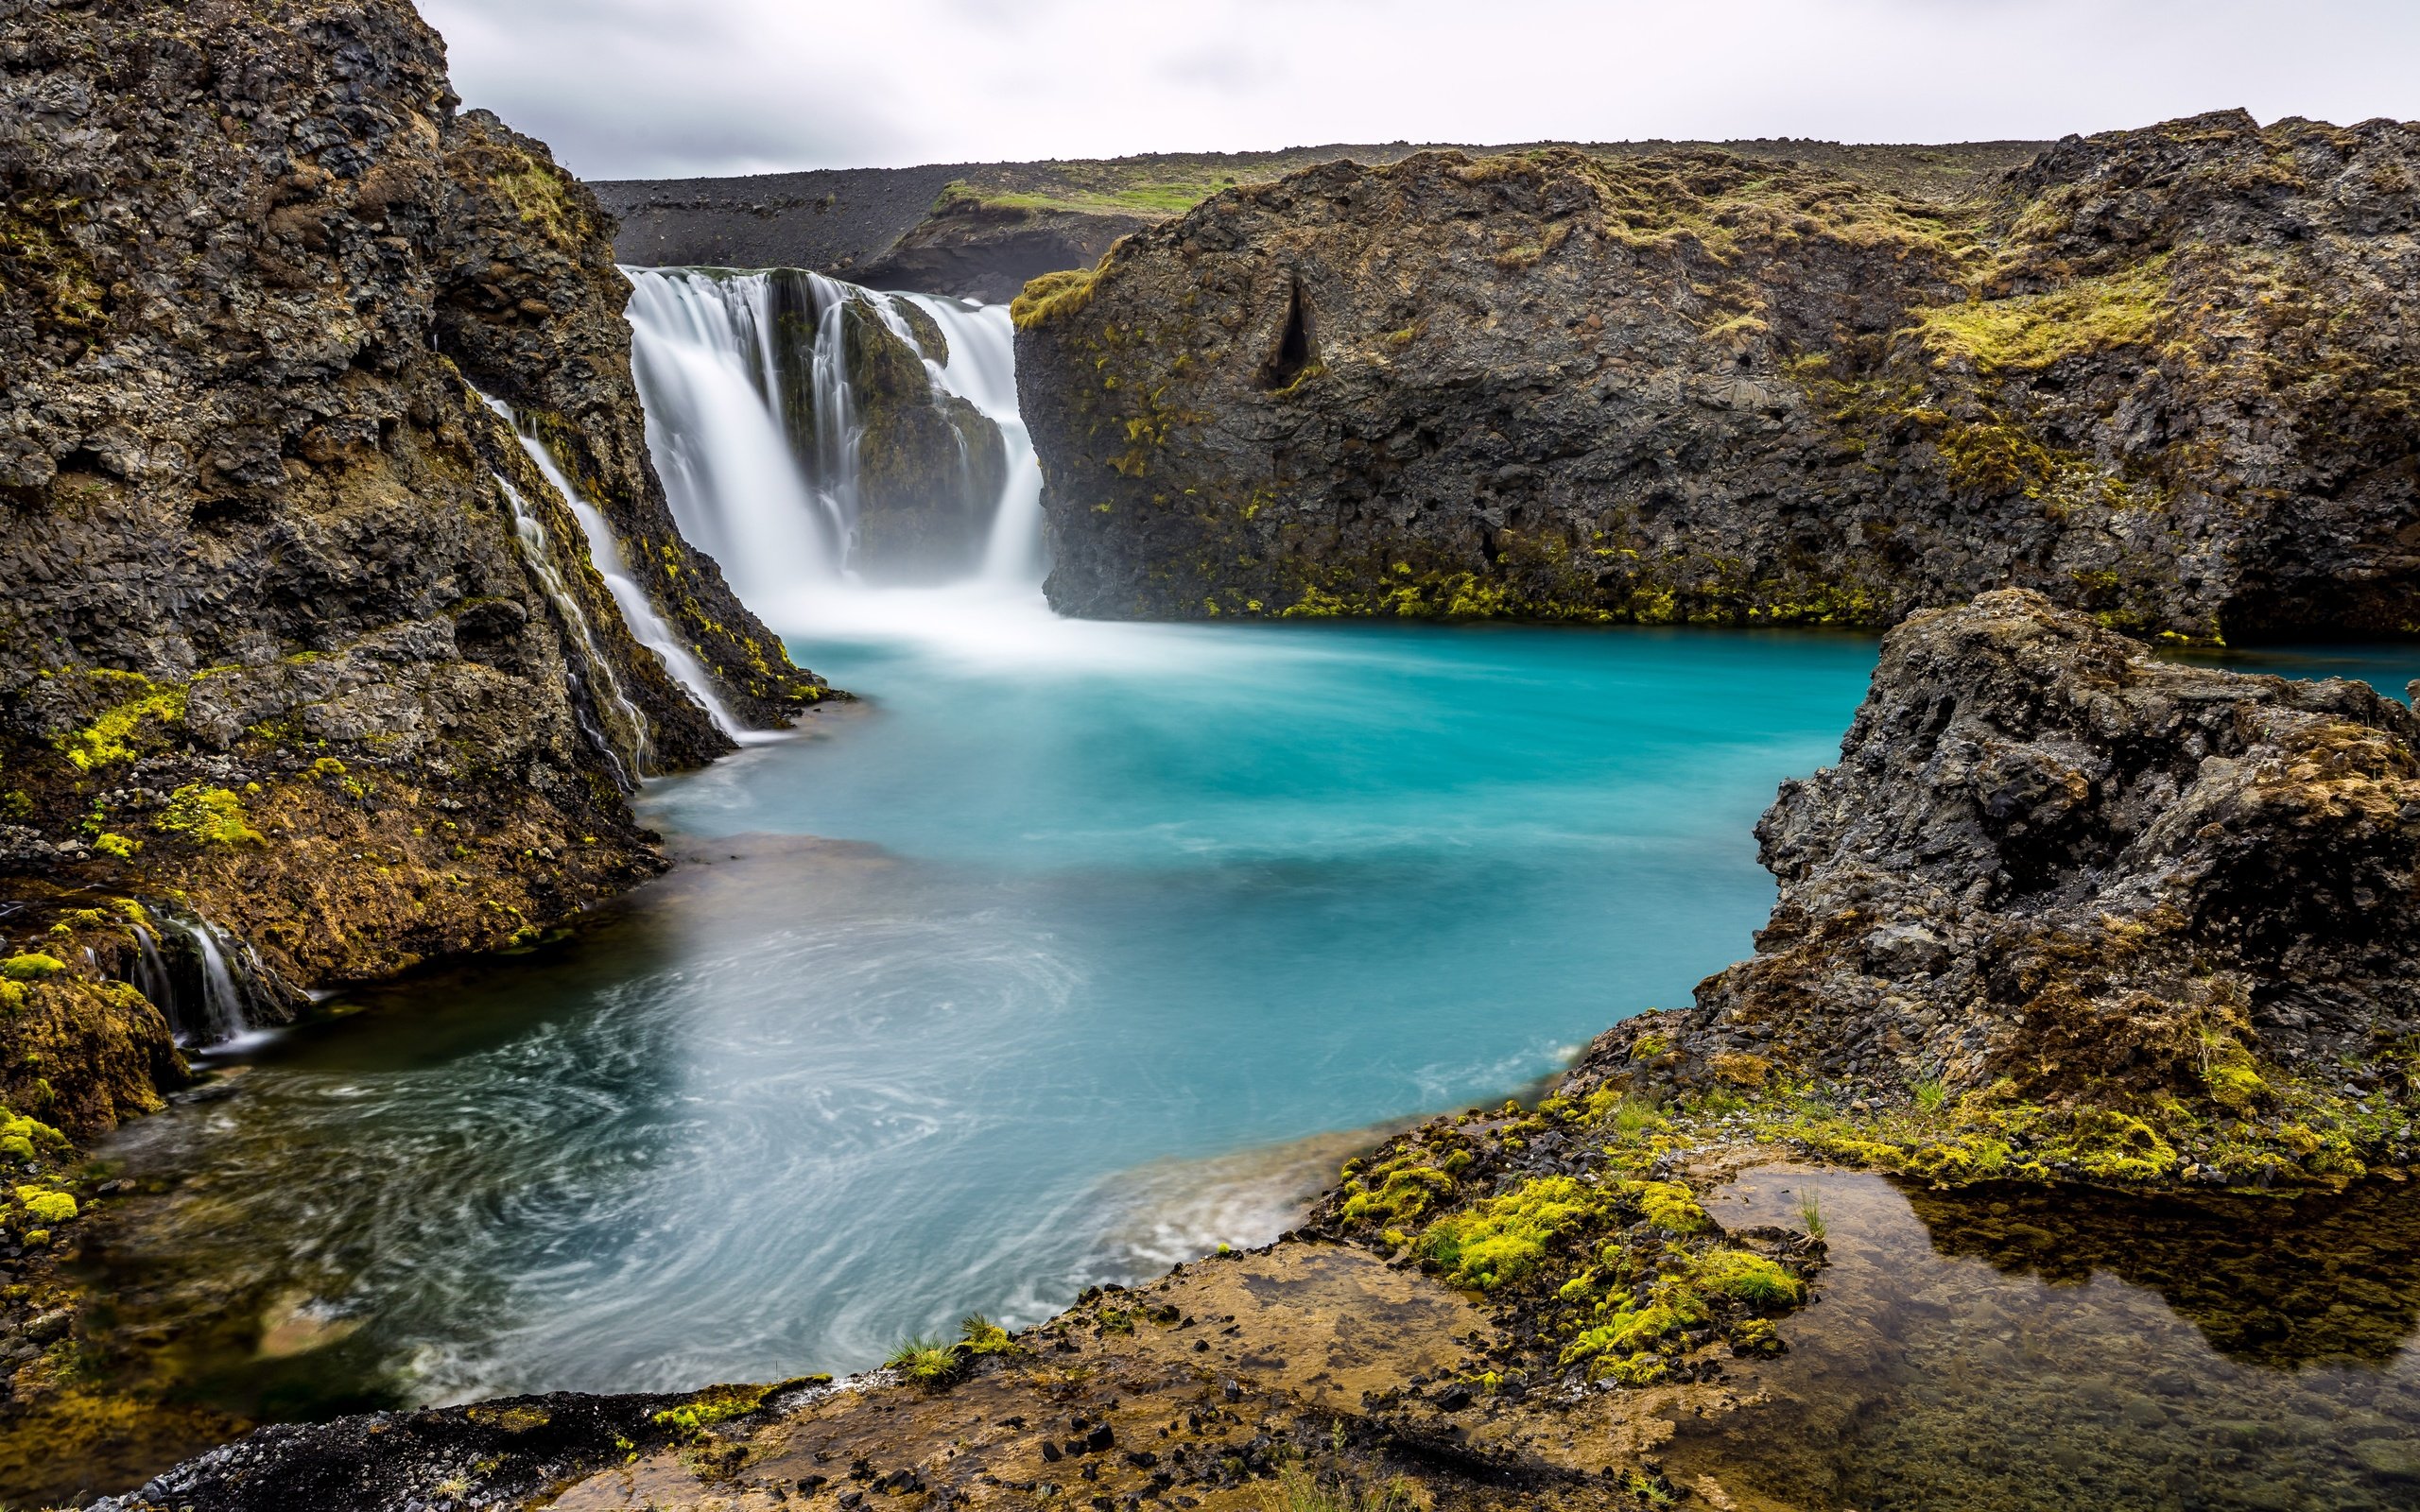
{"x":640,"y":88}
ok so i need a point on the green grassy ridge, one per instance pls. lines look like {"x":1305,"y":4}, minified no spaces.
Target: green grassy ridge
{"x":1169,"y":184}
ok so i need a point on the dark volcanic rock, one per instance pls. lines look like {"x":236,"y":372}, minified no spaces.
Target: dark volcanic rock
{"x":828,"y":220}
{"x":983,"y":249}
{"x":505,"y":1452}
{"x":273,"y":638}
{"x":2160,"y":374}
{"x":980,"y":231}
{"x":2048,"y":860}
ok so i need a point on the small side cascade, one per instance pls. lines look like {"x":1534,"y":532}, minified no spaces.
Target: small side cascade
{"x":639,"y":614}
{"x":630,"y":760}
{"x":982,"y":370}
{"x":212,"y":988}
{"x":151,"y":976}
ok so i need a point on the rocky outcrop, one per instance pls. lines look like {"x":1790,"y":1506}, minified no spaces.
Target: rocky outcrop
{"x":989,"y":249}
{"x":829,"y":221}
{"x":2051,"y":869}
{"x":2159,"y":375}
{"x":929,"y":465}
{"x":529,"y":306}
{"x":914,"y":469}
{"x":296,"y":635}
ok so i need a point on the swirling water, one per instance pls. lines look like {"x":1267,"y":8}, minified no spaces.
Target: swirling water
{"x":1094,"y":906}
{"x":1073,"y":951}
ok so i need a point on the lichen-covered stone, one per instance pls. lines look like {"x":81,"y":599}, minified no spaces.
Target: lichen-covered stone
{"x":2158,"y":375}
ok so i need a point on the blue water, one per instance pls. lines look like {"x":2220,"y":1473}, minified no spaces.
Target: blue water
{"x":1110,"y":942}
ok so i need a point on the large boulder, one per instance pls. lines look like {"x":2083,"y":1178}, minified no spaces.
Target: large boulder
{"x":2157,"y":374}
{"x":2055,"y":866}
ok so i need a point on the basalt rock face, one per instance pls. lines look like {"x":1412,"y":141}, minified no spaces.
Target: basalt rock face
{"x":2162,"y":375}
{"x":293,"y":627}
{"x":2049,"y":864}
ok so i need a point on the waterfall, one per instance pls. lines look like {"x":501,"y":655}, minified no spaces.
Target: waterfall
{"x":755,"y":429}
{"x":538,"y":549}
{"x":646,"y":626}
{"x":205,"y":983}
{"x":705,"y":355}
{"x":222,"y":998}
{"x":983,"y":371}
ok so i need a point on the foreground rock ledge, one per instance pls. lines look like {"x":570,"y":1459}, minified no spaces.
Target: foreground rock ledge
{"x":2062,"y":912}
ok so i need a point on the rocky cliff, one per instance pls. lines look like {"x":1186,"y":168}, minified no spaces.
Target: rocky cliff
{"x":2053,"y":872}
{"x":296,"y":638}
{"x":2162,"y":375}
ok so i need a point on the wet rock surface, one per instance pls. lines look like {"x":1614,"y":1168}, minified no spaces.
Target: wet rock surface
{"x":509,"y":1449}
{"x":926,"y":466}
{"x":2068,"y":911}
{"x":295,"y":628}
{"x":2064,"y":1371}
{"x":2154,"y":375}
{"x":2049,"y":861}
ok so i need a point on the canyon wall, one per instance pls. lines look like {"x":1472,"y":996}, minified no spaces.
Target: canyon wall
{"x":296,"y":635}
{"x":2161,"y":375}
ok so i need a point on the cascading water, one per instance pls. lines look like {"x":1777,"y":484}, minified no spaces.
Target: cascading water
{"x":205,"y":983}
{"x":630,"y":757}
{"x":756,"y":427}
{"x":645,"y":626}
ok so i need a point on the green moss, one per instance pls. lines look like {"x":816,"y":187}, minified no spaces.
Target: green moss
{"x":2123,"y":309}
{"x":1505,"y":1238}
{"x":113,"y":736}
{"x":207,"y":815}
{"x":1398,"y":1191}
{"x":116,"y":845}
{"x":713,"y":1406}
{"x":40,"y":255}
{"x":1723,"y":205}
{"x":1667,"y":1205}
{"x":541,"y":196}
{"x":1053,"y":296}
{"x":1153,"y":198}
{"x":32,"y":1131}
{"x":48,"y":1206}
{"x":1750,"y":1279}
{"x":30,"y":966}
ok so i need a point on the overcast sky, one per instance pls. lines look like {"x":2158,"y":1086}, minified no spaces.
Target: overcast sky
{"x":655,"y":88}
